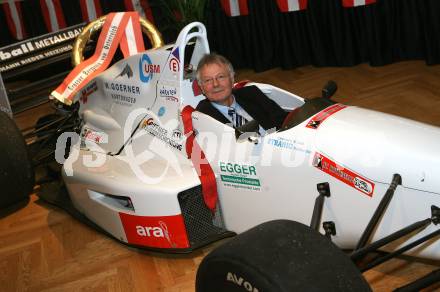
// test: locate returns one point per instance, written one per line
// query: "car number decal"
(343, 174)
(320, 117)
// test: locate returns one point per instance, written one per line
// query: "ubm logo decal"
(147, 69)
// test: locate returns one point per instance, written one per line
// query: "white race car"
(133, 171)
(130, 173)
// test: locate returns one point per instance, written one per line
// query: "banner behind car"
(39, 48)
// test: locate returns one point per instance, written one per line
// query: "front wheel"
(279, 256)
(16, 171)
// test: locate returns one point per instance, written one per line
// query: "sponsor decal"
(240, 281)
(320, 117)
(161, 133)
(343, 174)
(86, 91)
(38, 43)
(239, 176)
(177, 134)
(161, 111)
(147, 69)
(169, 93)
(284, 143)
(174, 65)
(155, 231)
(35, 57)
(118, 92)
(120, 87)
(93, 136)
(147, 122)
(126, 71)
(175, 53)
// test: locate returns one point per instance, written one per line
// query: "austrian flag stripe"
(53, 15)
(90, 9)
(14, 19)
(132, 42)
(354, 3)
(108, 42)
(235, 7)
(291, 5)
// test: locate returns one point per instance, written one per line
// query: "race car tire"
(279, 255)
(16, 171)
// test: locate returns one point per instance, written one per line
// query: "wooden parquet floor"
(44, 249)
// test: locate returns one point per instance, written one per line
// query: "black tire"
(16, 172)
(279, 255)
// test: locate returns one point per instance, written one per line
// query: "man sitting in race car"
(215, 76)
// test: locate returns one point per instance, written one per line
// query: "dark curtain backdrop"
(327, 34)
(34, 22)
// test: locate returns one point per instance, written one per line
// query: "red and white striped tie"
(235, 7)
(90, 9)
(354, 3)
(291, 5)
(53, 15)
(14, 19)
(142, 7)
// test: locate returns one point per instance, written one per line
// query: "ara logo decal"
(155, 231)
(240, 281)
(149, 231)
(320, 117)
(147, 69)
(343, 174)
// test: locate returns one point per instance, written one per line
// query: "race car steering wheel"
(93, 27)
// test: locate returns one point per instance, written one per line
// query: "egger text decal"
(239, 176)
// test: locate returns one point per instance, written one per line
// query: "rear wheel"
(279, 255)
(16, 171)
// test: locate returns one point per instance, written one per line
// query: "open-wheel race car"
(141, 168)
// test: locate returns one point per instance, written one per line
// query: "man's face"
(216, 83)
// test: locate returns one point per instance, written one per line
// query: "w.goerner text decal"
(155, 231)
(320, 117)
(343, 174)
(147, 69)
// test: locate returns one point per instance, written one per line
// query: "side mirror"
(248, 131)
(329, 89)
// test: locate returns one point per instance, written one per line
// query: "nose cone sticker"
(343, 174)
(320, 117)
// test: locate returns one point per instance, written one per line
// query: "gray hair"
(213, 58)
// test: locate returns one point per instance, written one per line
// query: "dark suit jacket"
(261, 108)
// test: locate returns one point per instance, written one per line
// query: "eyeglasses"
(219, 78)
